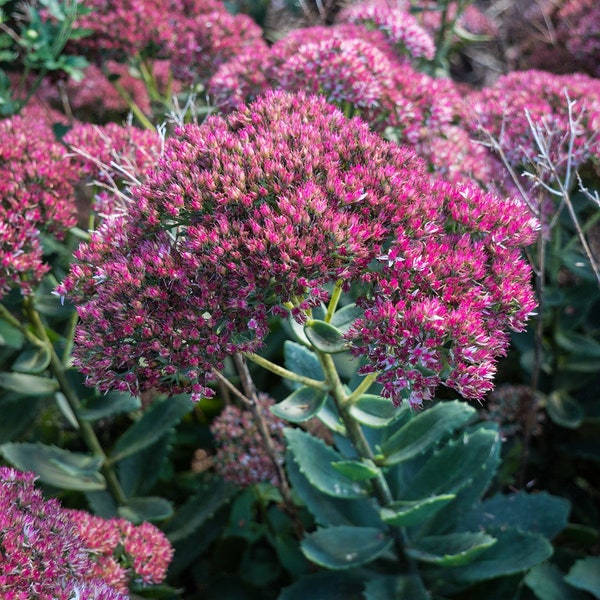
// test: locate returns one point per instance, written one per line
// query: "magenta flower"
(42, 555)
(241, 456)
(502, 109)
(122, 552)
(36, 195)
(401, 28)
(199, 45)
(112, 156)
(249, 214)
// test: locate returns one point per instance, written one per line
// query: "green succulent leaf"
(328, 510)
(564, 410)
(148, 508)
(315, 459)
(155, 422)
(301, 360)
(407, 513)
(539, 513)
(300, 406)
(327, 585)
(33, 360)
(452, 549)
(344, 317)
(325, 337)
(10, 335)
(376, 411)
(425, 431)
(111, 404)
(514, 552)
(585, 575)
(548, 583)
(387, 587)
(345, 547)
(28, 385)
(61, 468)
(356, 470)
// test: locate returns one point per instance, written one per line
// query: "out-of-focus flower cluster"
(51, 553)
(122, 552)
(263, 209)
(41, 554)
(36, 196)
(241, 456)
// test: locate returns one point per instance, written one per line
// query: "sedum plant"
(387, 284)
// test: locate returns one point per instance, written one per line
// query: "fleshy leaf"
(301, 360)
(355, 470)
(10, 336)
(345, 547)
(148, 508)
(33, 360)
(111, 404)
(376, 411)
(585, 575)
(156, 421)
(328, 510)
(344, 317)
(315, 459)
(548, 583)
(300, 406)
(327, 585)
(564, 410)
(406, 513)
(325, 337)
(28, 385)
(425, 430)
(450, 550)
(387, 587)
(55, 466)
(515, 551)
(538, 513)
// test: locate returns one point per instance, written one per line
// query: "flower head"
(36, 196)
(241, 456)
(248, 214)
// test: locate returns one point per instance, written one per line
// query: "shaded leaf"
(393, 588)
(564, 410)
(148, 508)
(344, 547)
(425, 430)
(110, 404)
(548, 583)
(315, 460)
(450, 550)
(55, 466)
(539, 513)
(406, 513)
(28, 385)
(376, 411)
(325, 586)
(10, 336)
(301, 360)
(153, 424)
(325, 337)
(356, 470)
(33, 360)
(515, 552)
(343, 318)
(301, 405)
(585, 575)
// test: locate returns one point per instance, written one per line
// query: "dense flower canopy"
(250, 214)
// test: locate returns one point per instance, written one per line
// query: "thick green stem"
(87, 431)
(355, 433)
(285, 373)
(364, 385)
(135, 109)
(333, 301)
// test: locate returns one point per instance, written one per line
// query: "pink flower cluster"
(267, 207)
(402, 29)
(450, 285)
(196, 36)
(122, 552)
(42, 555)
(113, 156)
(352, 67)
(240, 451)
(501, 110)
(36, 196)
